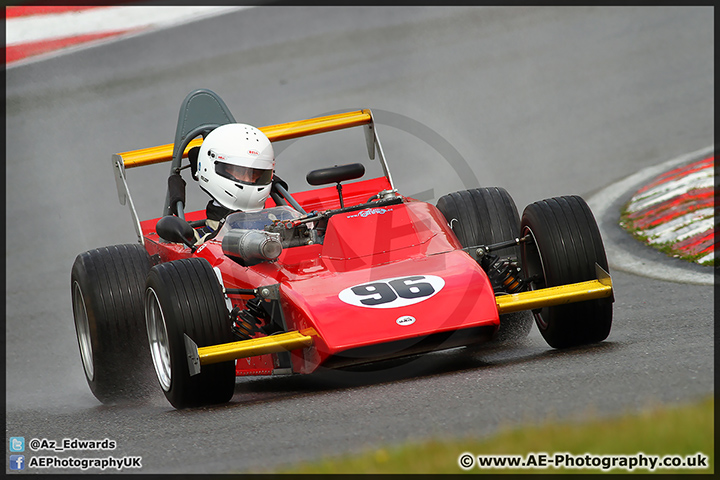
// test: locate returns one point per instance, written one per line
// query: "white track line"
(69, 24)
(682, 227)
(34, 28)
(665, 191)
(627, 262)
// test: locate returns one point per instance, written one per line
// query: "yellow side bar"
(285, 131)
(255, 346)
(548, 297)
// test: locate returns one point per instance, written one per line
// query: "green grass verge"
(680, 430)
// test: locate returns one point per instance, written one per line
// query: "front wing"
(293, 340)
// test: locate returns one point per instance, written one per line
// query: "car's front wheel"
(183, 298)
(565, 245)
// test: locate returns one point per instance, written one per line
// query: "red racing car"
(331, 277)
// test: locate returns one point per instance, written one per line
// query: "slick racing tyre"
(564, 248)
(483, 216)
(107, 286)
(182, 298)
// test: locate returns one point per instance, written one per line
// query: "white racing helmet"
(235, 166)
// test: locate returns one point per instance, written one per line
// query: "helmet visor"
(245, 175)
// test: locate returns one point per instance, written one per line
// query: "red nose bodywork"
(385, 282)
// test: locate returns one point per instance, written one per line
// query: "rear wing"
(276, 133)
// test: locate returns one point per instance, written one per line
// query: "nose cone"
(401, 301)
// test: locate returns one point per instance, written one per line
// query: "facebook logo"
(17, 444)
(17, 462)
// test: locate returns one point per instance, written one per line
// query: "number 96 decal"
(393, 292)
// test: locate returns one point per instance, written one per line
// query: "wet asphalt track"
(542, 102)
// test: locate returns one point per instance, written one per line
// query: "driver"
(235, 167)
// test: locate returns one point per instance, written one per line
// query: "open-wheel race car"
(331, 277)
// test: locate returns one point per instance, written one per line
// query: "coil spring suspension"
(504, 274)
(246, 322)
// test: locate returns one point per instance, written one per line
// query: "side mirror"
(336, 174)
(176, 230)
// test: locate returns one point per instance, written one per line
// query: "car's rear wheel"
(107, 287)
(564, 248)
(183, 297)
(483, 216)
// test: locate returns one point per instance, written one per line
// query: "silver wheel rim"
(82, 328)
(158, 337)
(533, 264)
